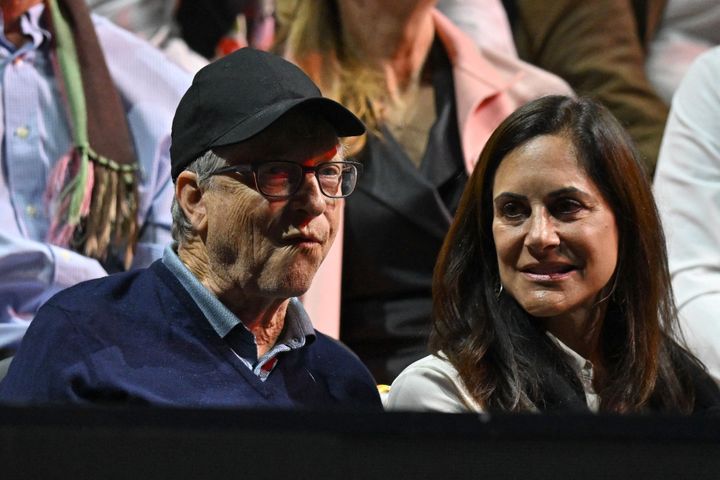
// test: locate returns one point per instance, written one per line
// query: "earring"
(498, 290)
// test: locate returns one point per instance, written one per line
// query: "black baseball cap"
(240, 95)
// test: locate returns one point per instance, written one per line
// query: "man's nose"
(542, 233)
(309, 198)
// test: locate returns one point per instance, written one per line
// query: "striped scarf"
(92, 191)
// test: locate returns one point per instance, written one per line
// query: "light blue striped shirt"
(36, 133)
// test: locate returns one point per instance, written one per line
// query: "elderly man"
(259, 181)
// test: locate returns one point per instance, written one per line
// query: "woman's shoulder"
(431, 384)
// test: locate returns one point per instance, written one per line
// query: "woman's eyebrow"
(509, 196)
(567, 190)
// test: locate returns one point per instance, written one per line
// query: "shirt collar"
(30, 26)
(577, 361)
(220, 317)
(298, 327)
(584, 370)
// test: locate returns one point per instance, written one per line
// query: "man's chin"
(297, 280)
(289, 276)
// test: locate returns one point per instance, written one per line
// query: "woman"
(431, 99)
(552, 290)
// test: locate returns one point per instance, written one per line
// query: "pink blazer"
(488, 87)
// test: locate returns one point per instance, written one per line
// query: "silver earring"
(498, 290)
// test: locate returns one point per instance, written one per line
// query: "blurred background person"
(687, 189)
(687, 29)
(431, 99)
(192, 33)
(150, 19)
(552, 291)
(153, 21)
(214, 28)
(85, 183)
(477, 18)
(600, 49)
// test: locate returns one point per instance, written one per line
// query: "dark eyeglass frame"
(255, 166)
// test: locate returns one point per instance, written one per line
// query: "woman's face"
(555, 235)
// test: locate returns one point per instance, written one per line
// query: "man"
(259, 176)
(86, 109)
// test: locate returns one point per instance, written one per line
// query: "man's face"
(268, 247)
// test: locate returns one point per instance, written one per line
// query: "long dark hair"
(503, 358)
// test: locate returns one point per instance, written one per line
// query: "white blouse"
(433, 384)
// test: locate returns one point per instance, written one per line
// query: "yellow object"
(383, 388)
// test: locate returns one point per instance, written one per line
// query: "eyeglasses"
(283, 179)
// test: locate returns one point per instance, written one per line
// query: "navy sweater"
(139, 338)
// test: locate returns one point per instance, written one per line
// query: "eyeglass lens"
(281, 179)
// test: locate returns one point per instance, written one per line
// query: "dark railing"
(135, 443)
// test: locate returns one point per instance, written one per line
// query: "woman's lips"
(548, 271)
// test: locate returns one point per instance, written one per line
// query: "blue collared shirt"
(36, 133)
(297, 330)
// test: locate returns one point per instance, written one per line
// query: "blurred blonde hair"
(310, 33)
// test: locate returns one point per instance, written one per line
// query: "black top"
(395, 223)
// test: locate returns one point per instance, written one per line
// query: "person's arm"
(687, 189)
(156, 221)
(595, 47)
(30, 273)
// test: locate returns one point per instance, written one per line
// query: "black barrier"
(134, 443)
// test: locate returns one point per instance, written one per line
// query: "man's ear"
(190, 198)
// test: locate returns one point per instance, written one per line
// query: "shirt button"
(31, 210)
(22, 132)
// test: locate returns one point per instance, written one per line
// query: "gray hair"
(203, 166)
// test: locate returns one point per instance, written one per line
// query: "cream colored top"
(433, 384)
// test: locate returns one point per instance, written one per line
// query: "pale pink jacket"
(488, 87)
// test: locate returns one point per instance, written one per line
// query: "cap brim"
(345, 123)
